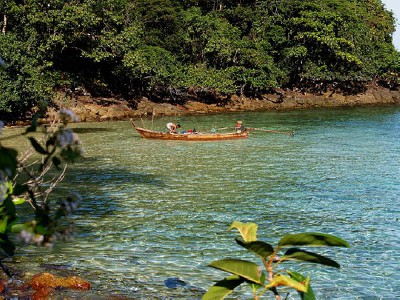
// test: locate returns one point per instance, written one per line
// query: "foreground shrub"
(269, 280)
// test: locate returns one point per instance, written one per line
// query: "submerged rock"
(174, 282)
(45, 283)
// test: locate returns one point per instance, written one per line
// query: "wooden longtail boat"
(197, 136)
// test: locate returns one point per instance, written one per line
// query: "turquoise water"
(154, 210)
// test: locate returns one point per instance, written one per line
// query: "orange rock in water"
(44, 283)
(75, 282)
(42, 293)
(49, 280)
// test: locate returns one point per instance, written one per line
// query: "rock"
(2, 286)
(49, 280)
(45, 283)
(174, 282)
(89, 109)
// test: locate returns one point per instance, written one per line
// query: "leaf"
(282, 280)
(245, 269)
(3, 224)
(309, 295)
(56, 161)
(7, 246)
(34, 124)
(18, 201)
(256, 286)
(10, 207)
(17, 228)
(247, 230)
(8, 161)
(223, 288)
(10, 187)
(258, 247)
(70, 154)
(40, 229)
(37, 146)
(298, 254)
(50, 142)
(20, 189)
(312, 239)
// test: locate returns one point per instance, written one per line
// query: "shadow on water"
(109, 175)
(86, 171)
(104, 193)
(81, 130)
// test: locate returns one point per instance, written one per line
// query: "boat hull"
(198, 136)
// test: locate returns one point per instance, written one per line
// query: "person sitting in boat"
(191, 131)
(172, 127)
(239, 127)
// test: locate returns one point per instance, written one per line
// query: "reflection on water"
(154, 211)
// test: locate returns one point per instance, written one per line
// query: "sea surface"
(155, 213)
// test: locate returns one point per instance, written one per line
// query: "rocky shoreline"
(90, 109)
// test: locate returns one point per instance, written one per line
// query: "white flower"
(3, 191)
(26, 236)
(68, 114)
(67, 137)
(29, 237)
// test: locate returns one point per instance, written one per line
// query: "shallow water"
(154, 210)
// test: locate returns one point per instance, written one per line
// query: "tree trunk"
(4, 24)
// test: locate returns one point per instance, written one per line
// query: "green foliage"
(261, 281)
(136, 47)
(22, 185)
(153, 64)
(223, 287)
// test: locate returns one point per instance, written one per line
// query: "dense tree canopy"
(171, 49)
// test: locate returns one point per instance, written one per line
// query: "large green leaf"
(248, 270)
(312, 239)
(258, 247)
(17, 228)
(309, 295)
(222, 288)
(247, 230)
(282, 280)
(37, 146)
(298, 254)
